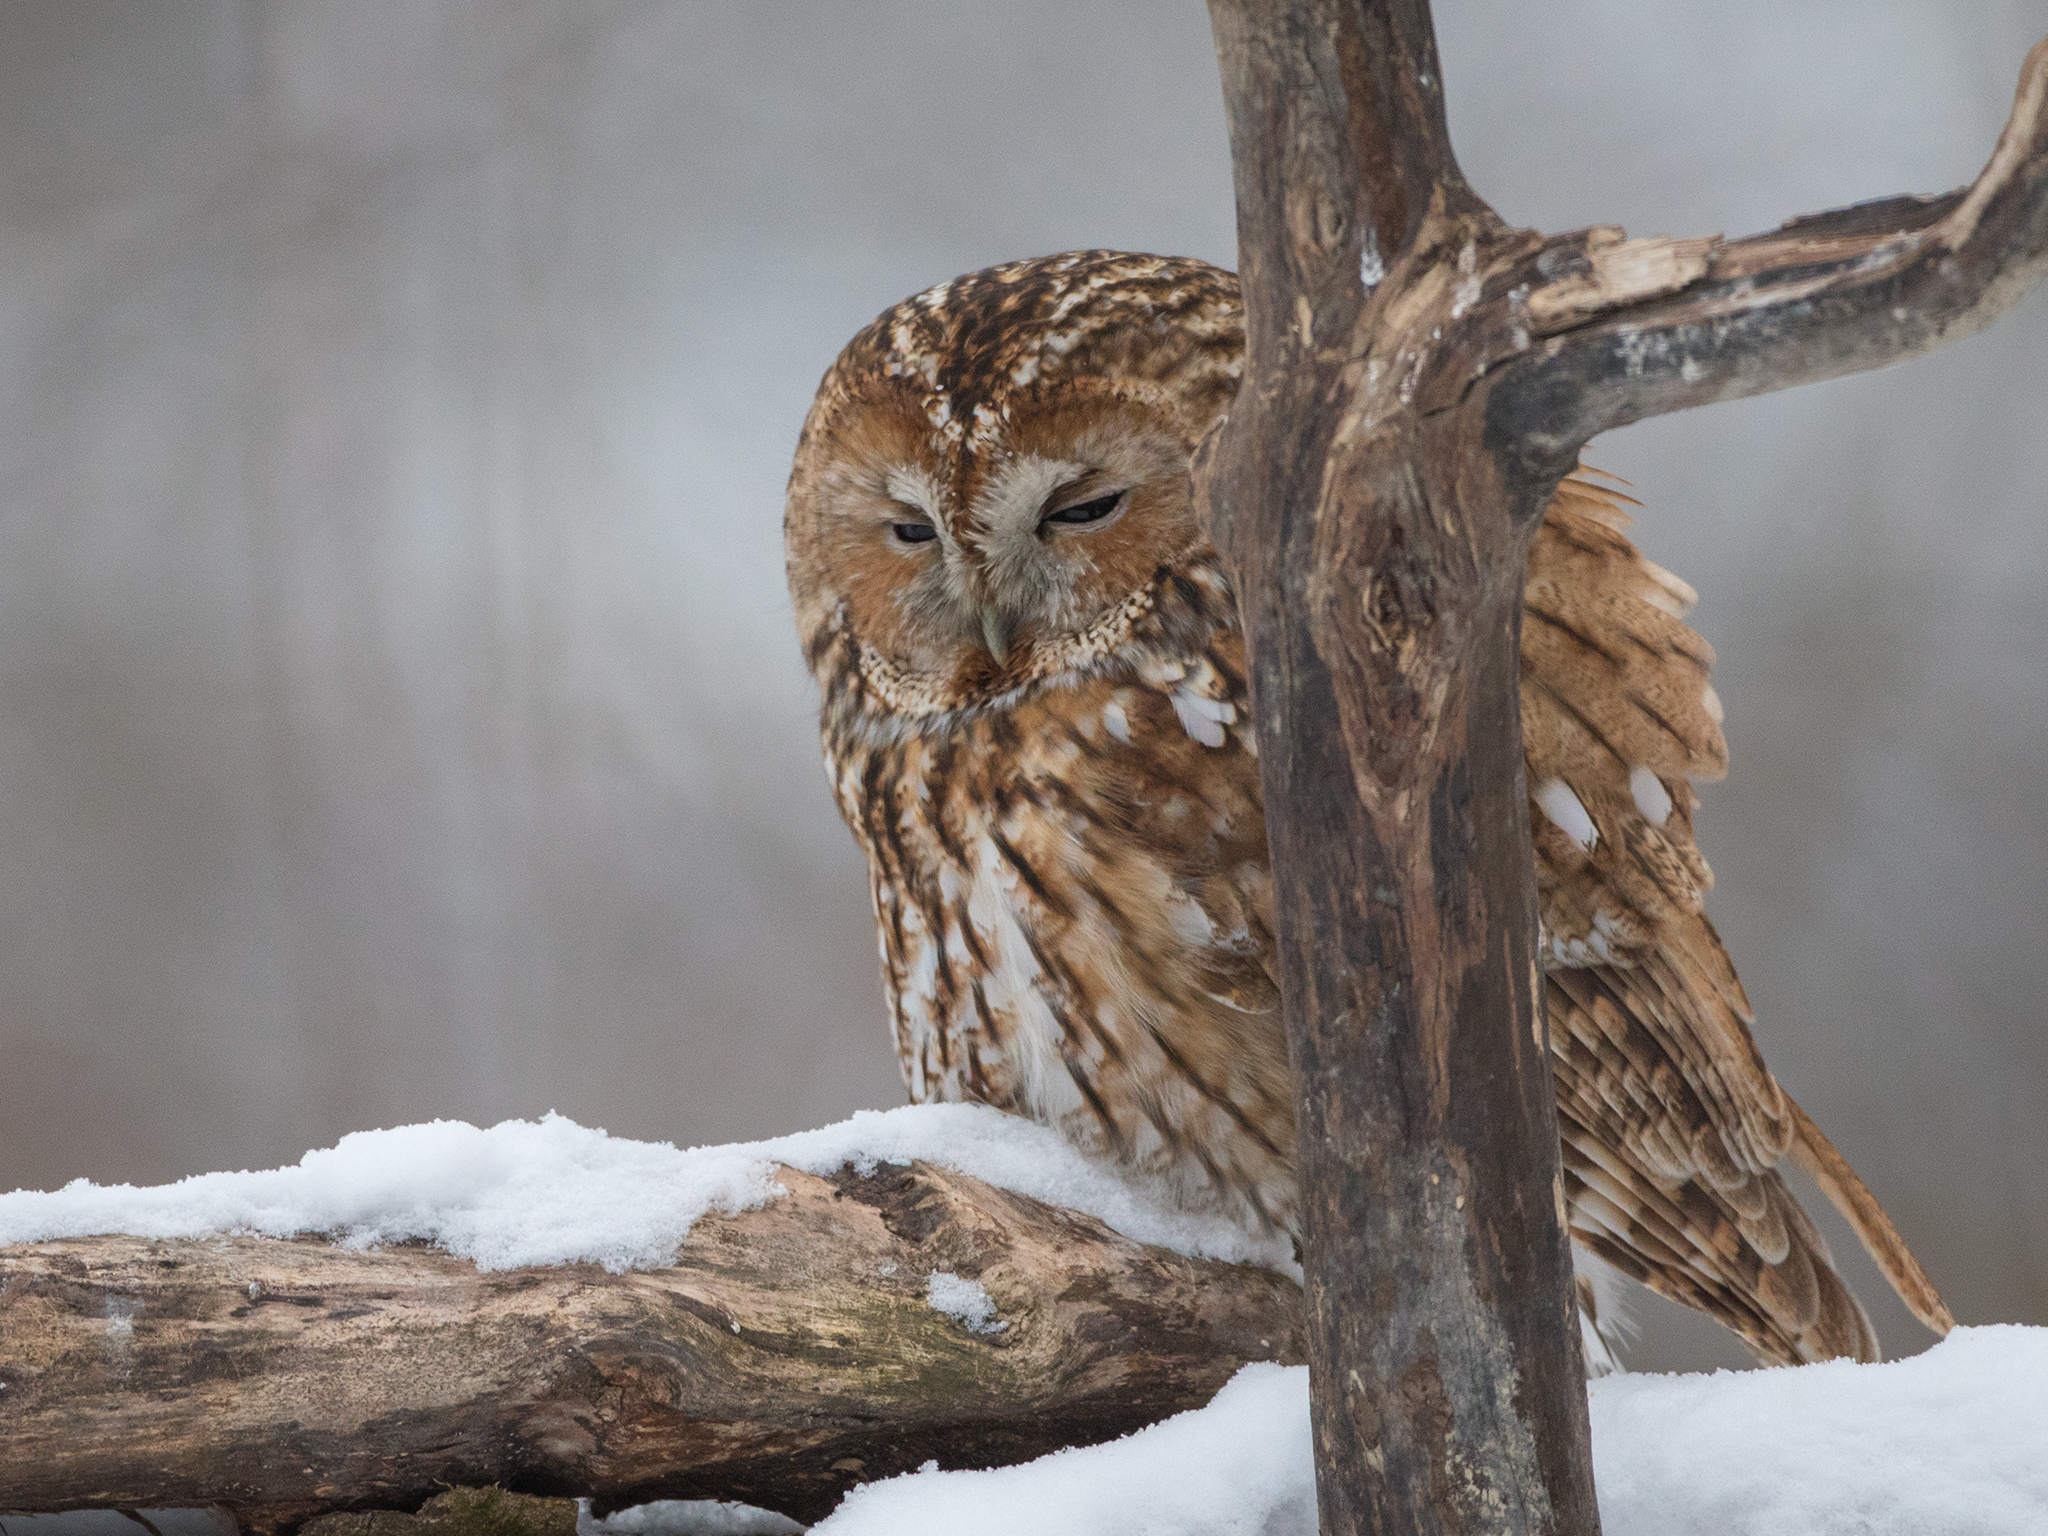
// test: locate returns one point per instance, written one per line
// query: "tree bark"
(1418, 377)
(789, 1354)
(1614, 330)
(1379, 559)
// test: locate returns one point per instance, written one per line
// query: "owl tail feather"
(1813, 1152)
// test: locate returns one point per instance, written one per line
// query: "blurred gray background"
(399, 715)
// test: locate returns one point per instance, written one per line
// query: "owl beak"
(997, 631)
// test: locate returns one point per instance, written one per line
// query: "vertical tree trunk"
(1417, 379)
(1380, 563)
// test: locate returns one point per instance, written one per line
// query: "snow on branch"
(603, 1318)
(819, 1324)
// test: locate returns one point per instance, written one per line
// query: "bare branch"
(1622, 330)
(788, 1355)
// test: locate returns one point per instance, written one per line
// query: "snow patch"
(522, 1192)
(551, 1191)
(1953, 1442)
(1242, 1464)
(962, 1298)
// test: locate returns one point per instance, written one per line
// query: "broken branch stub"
(789, 1354)
(1610, 332)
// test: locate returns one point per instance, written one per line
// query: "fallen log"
(789, 1353)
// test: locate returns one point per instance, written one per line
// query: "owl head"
(993, 477)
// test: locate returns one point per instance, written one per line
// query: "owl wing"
(1672, 1126)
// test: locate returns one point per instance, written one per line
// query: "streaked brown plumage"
(1035, 720)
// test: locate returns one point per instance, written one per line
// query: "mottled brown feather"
(1063, 828)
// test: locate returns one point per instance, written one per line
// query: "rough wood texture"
(458, 1512)
(1628, 329)
(788, 1355)
(1380, 559)
(1418, 378)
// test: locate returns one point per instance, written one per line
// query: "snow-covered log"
(857, 1326)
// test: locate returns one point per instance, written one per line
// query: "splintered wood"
(1620, 271)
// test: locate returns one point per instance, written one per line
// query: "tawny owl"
(1036, 723)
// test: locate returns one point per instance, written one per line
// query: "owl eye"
(913, 533)
(1085, 512)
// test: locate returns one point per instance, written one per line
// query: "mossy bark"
(458, 1512)
(789, 1354)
